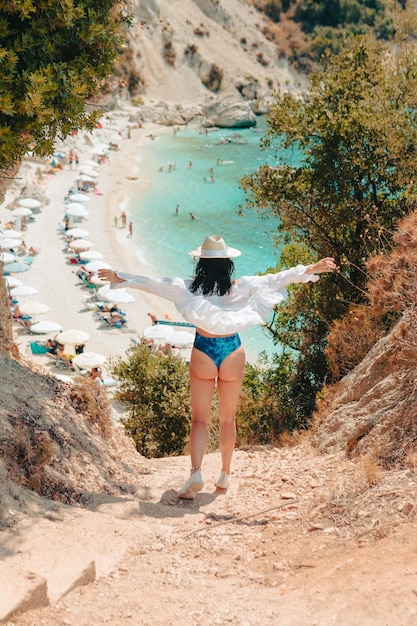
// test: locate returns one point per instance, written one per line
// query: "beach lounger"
(79, 370)
(64, 363)
(88, 284)
(25, 323)
(120, 323)
(170, 323)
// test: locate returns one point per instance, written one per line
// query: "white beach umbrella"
(12, 281)
(182, 338)
(81, 244)
(15, 267)
(23, 290)
(91, 163)
(45, 327)
(76, 209)
(73, 337)
(7, 257)
(91, 172)
(101, 148)
(77, 232)
(79, 197)
(10, 233)
(34, 308)
(94, 266)
(119, 296)
(164, 333)
(85, 178)
(75, 205)
(29, 203)
(22, 211)
(90, 255)
(9, 244)
(89, 359)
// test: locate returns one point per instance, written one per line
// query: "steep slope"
(183, 50)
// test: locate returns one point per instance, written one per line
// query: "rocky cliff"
(186, 50)
(372, 410)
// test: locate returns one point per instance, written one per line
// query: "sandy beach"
(52, 274)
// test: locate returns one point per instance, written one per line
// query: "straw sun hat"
(214, 247)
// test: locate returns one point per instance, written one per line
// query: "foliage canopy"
(53, 57)
(155, 389)
(344, 174)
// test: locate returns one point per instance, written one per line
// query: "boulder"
(229, 112)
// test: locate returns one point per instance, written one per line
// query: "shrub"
(191, 49)
(169, 53)
(155, 390)
(273, 9)
(262, 415)
(261, 59)
(213, 79)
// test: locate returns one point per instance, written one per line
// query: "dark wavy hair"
(213, 277)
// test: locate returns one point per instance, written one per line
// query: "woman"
(219, 308)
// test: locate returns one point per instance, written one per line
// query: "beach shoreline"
(51, 273)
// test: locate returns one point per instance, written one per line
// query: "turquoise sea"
(193, 170)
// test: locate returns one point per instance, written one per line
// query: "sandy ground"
(299, 539)
(51, 273)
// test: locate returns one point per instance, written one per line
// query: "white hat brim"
(228, 253)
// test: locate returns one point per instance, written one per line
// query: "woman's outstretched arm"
(172, 289)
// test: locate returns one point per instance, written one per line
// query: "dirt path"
(315, 545)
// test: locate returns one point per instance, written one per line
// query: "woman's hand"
(324, 265)
(109, 276)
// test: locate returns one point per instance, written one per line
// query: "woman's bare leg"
(229, 386)
(203, 374)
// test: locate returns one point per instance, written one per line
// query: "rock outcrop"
(373, 409)
(229, 112)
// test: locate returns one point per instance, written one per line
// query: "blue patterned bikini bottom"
(217, 348)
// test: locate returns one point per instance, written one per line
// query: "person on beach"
(154, 319)
(97, 374)
(219, 308)
(130, 229)
(123, 218)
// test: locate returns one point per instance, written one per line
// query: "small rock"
(288, 495)
(406, 508)
(313, 527)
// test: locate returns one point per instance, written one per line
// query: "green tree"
(54, 56)
(155, 389)
(352, 175)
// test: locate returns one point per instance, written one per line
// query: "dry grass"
(27, 452)
(392, 286)
(351, 338)
(91, 399)
(369, 471)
